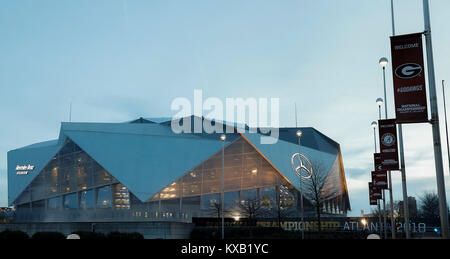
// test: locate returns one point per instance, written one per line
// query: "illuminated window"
(87, 199)
(121, 197)
(104, 197)
(210, 201)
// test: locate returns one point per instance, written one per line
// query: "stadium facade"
(141, 171)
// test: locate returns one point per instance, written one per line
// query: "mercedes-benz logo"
(304, 166)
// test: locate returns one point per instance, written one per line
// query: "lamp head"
(380, 101)
(374, 124)
(383, 62)
(223, 137)
(299, 134)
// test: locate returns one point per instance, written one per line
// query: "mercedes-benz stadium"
(141, 171)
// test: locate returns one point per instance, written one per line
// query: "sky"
(118, 60)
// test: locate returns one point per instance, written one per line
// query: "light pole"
(374, 126)
(223, 137)
(446, 124)
(299, 134)
(383, 63)
(402, 154)
(435, 123)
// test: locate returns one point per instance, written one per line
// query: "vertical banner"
(377, 162)
(374, 194)
(388, 144)
(379, 179)
(409, 78)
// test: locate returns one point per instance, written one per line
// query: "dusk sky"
(118, 60)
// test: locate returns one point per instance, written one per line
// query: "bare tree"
(313, 188)
(251, 208)
(429, 205)
(282, 206)
(377, 212)
(215, 209)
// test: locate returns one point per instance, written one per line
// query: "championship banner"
(374, 194)
(388, 144)
(372, 200)
(379, 179)
(409, 78)
(377, 162)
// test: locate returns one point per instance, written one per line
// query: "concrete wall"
(150, 230)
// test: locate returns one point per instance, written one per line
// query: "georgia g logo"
(408, 71)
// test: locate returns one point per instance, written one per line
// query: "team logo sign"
(409, 79)
(388, 144)
(408, 71)
(388, 139)
(303, 168)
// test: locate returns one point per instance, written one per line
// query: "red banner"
(374, 194)
(380, 179)
(409, 78)
(377, 162)
(388, 144)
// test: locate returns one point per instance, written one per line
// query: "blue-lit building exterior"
(142, 171)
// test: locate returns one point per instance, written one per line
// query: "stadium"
(142, 172)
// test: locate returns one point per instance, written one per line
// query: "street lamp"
(380, 102)
(383, 63)
(374, 126)
(299, 135)
(223, 137)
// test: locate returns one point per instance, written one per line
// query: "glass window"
(268, 197)
(192, 189)
(231, 199)
(287, 197)
(121, 197)
(210, 201)
(70, 201)
(104, 197)
(249, 195)
(171, 205)
(153, 208)
(82, 177)
(191, 203)
(53, 180)
(40, 205)
(87, 199)
(54, 203)
(171, 191)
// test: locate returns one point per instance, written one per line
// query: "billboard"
(409, 78)
(388, 144)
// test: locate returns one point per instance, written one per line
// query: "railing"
(98, 216)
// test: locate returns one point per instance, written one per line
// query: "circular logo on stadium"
(388, 139)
